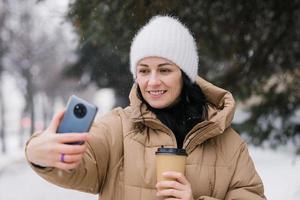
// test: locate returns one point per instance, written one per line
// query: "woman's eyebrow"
(144, 65)
(163, 64)
(159, 65)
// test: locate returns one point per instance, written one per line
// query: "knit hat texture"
(165, 37)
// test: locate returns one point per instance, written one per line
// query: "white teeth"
(156, 92)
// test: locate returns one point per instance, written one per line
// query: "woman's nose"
(154, 79)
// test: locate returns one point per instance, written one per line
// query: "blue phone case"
(78, 117)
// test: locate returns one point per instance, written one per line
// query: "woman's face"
(160, 81)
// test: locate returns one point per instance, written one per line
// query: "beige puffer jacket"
(120, 162)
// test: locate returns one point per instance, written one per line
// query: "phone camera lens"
(80, 110)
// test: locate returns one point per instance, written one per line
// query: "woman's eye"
(165, 70)
(143, 71)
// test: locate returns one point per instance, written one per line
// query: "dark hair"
(190, 110)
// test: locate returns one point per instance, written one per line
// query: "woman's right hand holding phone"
(50, 149)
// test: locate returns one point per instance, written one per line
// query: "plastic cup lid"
(176, 151)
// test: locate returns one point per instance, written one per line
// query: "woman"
(169, 106)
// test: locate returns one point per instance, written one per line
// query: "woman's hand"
(50, 149)
(180, 188)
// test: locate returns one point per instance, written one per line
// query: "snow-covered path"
(19, 182)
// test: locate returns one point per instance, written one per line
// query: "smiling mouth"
(157, 92)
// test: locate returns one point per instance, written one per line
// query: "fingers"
(170, 193)
(68, 161)
(55, 121)
(185, 193)
(71, 149)
(72, 137)
(177, 188)
(162, 185)
(172, 175)
(69, 156)
(46, 149)
(72, 158)
(66, 166)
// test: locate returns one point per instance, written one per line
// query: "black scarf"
(180, 118)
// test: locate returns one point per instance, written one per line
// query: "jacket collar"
(220, 114)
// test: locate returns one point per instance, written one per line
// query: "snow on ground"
(279, 170)
(19, 182)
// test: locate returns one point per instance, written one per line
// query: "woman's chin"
(157, 105)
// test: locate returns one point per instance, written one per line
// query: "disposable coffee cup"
(169, 159)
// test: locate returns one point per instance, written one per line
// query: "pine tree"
(250, 48)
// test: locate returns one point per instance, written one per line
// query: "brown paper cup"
(169, 159)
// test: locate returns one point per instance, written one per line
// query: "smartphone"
(78, 117)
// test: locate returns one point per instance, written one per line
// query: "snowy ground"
(19, 182)
(280, 172)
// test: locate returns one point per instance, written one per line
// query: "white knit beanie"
(165, 37)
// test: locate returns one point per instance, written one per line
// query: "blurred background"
(52, 49)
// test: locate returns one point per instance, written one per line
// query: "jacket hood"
(221, 107)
